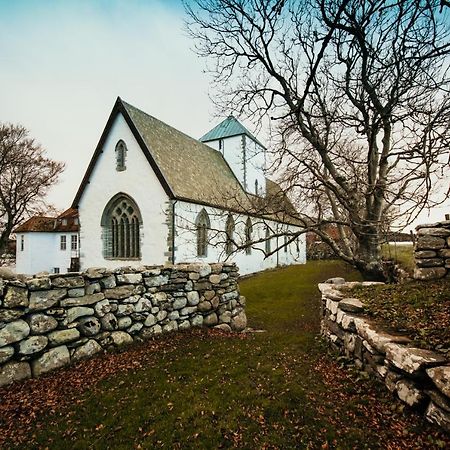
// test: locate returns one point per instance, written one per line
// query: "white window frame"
(63, 242)
(74, 242)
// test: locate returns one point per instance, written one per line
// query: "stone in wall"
(50, 321)
(432, 251)
(420, 378)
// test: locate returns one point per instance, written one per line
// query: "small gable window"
(121, 154)
(202, 224)
(229, 230)
(248, 236)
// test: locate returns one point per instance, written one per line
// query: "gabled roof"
(192, 170)
(228, 128)
(67, 222)
(187, 169)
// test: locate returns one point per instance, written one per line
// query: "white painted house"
(152, 195)
(49, 244)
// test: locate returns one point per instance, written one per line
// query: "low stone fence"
(432, 251)
(50, 321)
(420, 378)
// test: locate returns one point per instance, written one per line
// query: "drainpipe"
(173, 231)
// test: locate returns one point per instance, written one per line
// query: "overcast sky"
(63, 64)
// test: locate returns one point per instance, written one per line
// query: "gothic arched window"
(248, 236)
(121, 153)
(121, 223)
(229, 230)
(267, 240)
(202, 223)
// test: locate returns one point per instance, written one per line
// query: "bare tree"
(25, 178)
(357, 93)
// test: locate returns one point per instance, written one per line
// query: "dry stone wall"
(432, 251)
(50, 321)
(420, 378)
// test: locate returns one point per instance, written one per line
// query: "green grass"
(273, 389)
(420, 309)
(402, 254)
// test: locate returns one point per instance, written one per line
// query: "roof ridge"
(166, 124)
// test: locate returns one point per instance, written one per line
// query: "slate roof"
(228, 128)
(193, 171)
(188, 169)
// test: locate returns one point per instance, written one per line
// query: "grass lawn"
(205, 389)
(420, 309)
(403, 254)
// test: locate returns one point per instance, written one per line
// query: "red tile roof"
(65, 222)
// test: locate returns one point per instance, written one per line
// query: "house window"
(22, 242)
(121, 222)
(267, 240)
(221, 145)
(229, 230)
(55, 269)
(74, 242)
(248, 236)
(202, 224)
(121, 153)
(256, 187)
(285, 244)
(63, 242)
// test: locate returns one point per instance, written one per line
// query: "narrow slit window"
(268, 246)
(202, 224)
(229, 231)
(248, 236)
(121, 154)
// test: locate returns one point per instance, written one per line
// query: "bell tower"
(242, 151)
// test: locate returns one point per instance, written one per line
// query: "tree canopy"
(26, 175)
(357, 96)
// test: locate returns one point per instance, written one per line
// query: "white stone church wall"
(186, 242)
(140, 183)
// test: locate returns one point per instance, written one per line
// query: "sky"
(64, 62)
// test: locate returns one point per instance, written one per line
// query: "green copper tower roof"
(228, 128)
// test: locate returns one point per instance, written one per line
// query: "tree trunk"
(4, 238)
(368, 258)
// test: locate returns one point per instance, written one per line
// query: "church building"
(153, 195)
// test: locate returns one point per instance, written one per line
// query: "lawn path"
(203, 389)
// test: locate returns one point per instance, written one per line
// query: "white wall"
(140, 183)
(186, 242)
(234, 148)
(42, 253)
